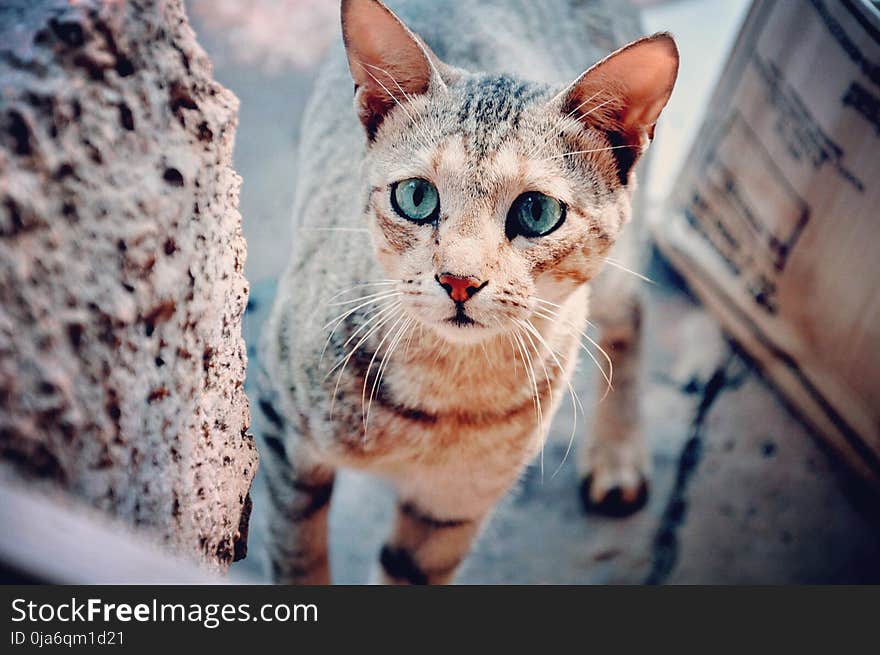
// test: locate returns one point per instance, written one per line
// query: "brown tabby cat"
(430, 319)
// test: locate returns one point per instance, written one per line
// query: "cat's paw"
(614, 478)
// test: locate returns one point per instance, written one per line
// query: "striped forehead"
(481, 134)
(509, 168)
(490, 109)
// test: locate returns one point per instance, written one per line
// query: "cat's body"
(386, 383)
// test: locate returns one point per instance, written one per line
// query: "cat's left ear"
(624, 94)
(389, 64)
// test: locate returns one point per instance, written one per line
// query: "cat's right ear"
(388, 63)
(624, 94)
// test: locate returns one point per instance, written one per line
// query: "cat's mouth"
(461, 319)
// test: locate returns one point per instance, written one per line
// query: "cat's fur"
(452, 422)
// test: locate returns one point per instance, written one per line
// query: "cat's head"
(486, 194)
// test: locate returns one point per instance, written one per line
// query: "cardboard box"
(775, 219)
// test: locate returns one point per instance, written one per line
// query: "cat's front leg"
(299, 490)
(614, 462)
(426, 547)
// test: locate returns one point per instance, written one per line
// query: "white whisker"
(429, 142)
(533, 379)
(553, 304)
(346, 314)
(383, 366)
(313, 314)
(410, 338)
(546, 378)
(575, 401)
(607, 376)
(361, 286)
(584, 152)
(542, 141)
(386, 308)
(372, 311)
(378, 294)
(564, 90)
(537, 354)
(387, 315)
(485, 354)
(552, 315)
(617, 264)
(335, 229)
(597, 107)
(382, 341)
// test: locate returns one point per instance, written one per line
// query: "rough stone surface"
(121, 258)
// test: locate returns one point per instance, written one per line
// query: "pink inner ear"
(385, 58)
(635, 83)
(648, 75)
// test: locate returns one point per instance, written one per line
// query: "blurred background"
(743, 490)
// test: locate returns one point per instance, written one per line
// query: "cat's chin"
(462, 333)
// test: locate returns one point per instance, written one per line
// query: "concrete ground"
(742, 492)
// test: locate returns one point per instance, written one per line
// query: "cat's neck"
(500, 371)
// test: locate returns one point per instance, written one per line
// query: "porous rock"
(121, 270)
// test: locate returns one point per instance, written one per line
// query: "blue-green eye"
(416, 200)
(533, 215)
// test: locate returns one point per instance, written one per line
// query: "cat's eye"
(533, 215)
(416, 200)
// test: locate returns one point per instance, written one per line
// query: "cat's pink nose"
(459, 287)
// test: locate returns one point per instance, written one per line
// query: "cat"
(450, 218)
